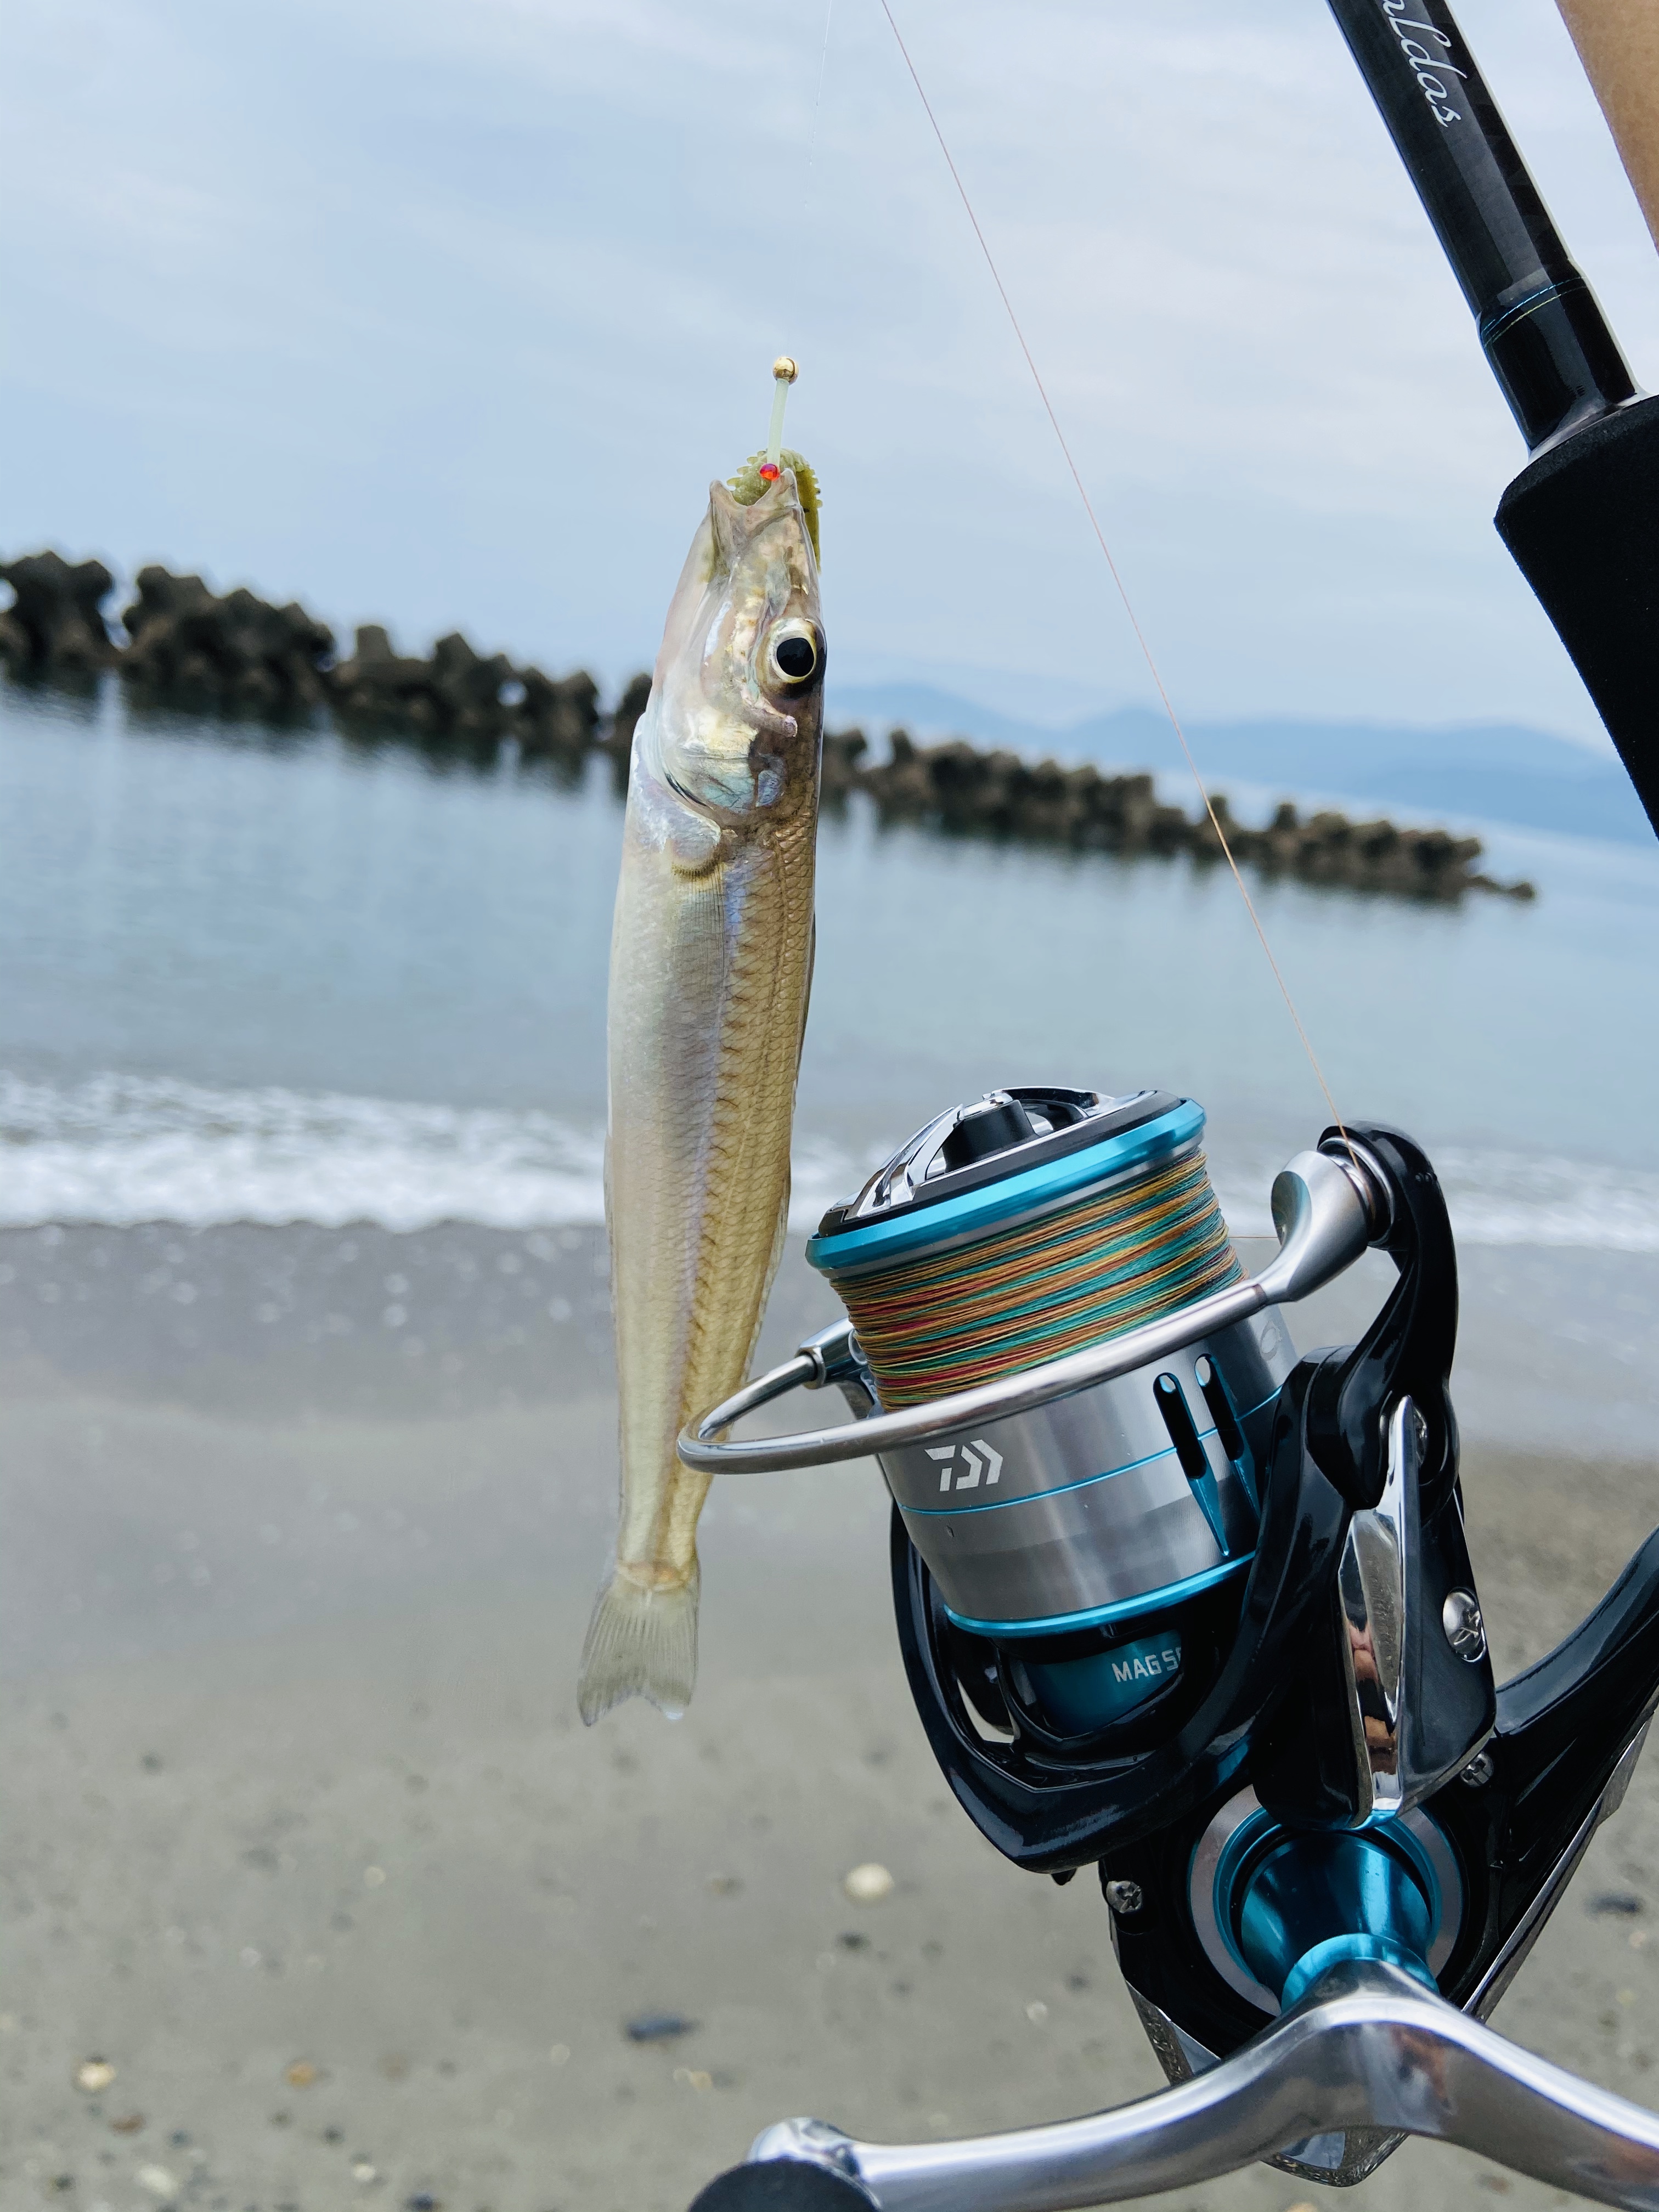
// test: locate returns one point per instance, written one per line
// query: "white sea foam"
(117, 1150)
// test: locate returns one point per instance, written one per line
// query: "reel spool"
(1098, 1542)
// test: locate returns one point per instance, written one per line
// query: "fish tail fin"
(641, 1643)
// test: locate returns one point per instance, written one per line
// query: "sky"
(444, 316)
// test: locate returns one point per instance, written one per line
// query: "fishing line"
(1032, 1291)
(818, 102)
(1100, 538)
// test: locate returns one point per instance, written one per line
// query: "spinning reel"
(1181, 1607)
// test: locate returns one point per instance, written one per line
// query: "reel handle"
(1367, 2048)
(1328, 1206)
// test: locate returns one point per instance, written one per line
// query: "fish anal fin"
(775, 1256)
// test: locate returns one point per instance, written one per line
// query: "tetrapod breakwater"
(179, 643)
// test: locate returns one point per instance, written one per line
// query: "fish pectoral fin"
(642, 1643)
(694, 845)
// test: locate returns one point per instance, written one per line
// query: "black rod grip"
(1582, 523)
(1556, 362)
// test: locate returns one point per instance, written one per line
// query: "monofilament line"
(818, 103)
(1100, 540)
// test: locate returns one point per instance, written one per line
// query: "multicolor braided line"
(1035, 1292)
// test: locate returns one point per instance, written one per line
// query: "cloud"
(444, 314)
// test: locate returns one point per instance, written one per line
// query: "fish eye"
(794, 654)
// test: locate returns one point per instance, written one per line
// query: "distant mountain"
(1498, 772)
(927, 712)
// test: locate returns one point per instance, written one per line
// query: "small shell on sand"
(93, 2073)
(159, 2182)
(868, 1884)
(300, 2074)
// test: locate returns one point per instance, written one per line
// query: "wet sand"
(304, 1838)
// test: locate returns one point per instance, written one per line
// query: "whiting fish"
(711, 961)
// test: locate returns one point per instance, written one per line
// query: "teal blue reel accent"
(1285, 1906)
(1091, 1693)
(1103, 1616)
(929, 1223)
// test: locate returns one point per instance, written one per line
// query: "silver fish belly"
(710, 969)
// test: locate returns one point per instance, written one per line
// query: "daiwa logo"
(979, 1458)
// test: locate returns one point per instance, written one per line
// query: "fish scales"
(711, 970)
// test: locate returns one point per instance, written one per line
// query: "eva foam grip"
(1618, 42)
(1582, 523)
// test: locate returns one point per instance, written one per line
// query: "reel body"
(1177, 1605)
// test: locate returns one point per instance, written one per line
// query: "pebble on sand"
(868, 1884)
(363, 2171)
(159, 2183)
(128, 2124)
(300, 2074)
(93, 2073)
(657, 2026)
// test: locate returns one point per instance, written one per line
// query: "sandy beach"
(305, 1842)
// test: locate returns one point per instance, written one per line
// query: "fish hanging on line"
(711, 963)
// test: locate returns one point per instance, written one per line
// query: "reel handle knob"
(781, 2184)
(1368, 2048)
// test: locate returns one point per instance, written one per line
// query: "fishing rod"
(1581, 518)
(1182, 1607)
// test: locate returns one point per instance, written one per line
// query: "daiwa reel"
(1178, 1605)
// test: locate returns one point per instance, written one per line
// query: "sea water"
(282, 976)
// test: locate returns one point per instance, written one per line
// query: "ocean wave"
(118, 1150)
